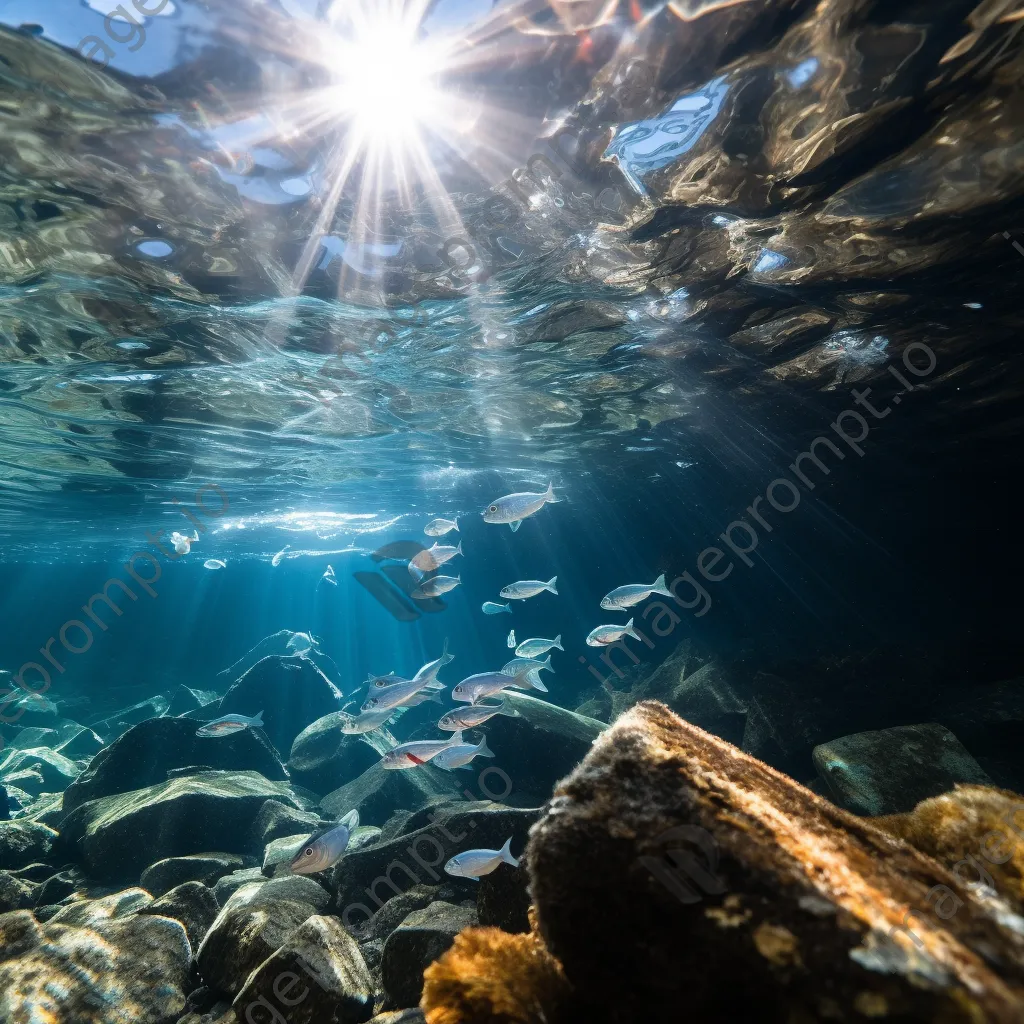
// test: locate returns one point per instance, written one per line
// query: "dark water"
(649, 259)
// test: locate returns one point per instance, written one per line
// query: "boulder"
(673, 870)
(184, 699)
(16, 893)
(413, 1016)
(414, 945)
(5, 806)
(117, 837)
(534, 750)
(145, 753)
(378, 792)
(323, 758)
(249, 928)
(87, 913)
(891, 770)
(114, 725)
(399, 907)
(34, 736)
(60, 886)
(171, 872)
(79, 743)
(28, 780)
(291, 692)
(317, 975)
(227, 886)
(23, 842)
(47, 808)
(503, 899)
(56, 771)
(365, 880)
(116, 970)
(277, 820)
(191, 903)
(36, 872)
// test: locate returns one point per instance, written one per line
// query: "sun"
(386, 78)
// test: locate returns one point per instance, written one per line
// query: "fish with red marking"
(229, 724)
(417, 752)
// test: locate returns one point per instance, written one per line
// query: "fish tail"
(533, 677)
(558, 642)
(445, 656)
(507, 709)
(458, 550)
(435, 697)
(455, 526)
(351, 820)
(549, 494)
(658, 587)
(483, 750)
(258, 720)
(631, 631)
(507, 607)
(506, 853)
(550, 585)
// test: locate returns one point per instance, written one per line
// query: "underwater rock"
(415, 944)
(491, 977)
(977, 830)
(115, 970)
(399, 907)
(122, 720)
(24, 842)
(227, 886)
(16, 893)
(739, 892)
(277, 820)
(399, 1017)
(539, 747)
(5, 807)
(249, 928)
(47, 808)
(117, 837)
(317, 975)
(56, 771)
(367, 879)
(170, 872)
(503, 899)
(80, 743)
(193, 904)
(89, 912)
(990, 723)
(59, 886)
(184, 699)
(396, 825)
(33, 736)
(377, 792)
(291, 693)
(145, 753)
(323, 757)
(891, 770)
(28, 781)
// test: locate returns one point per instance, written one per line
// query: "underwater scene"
(508, 511)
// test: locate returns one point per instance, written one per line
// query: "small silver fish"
(329, 577)
(416, 753)
(514, 508)
(528, 588)
(537, 646)
(633, 593)
(368, 721)
(492, 608)
(474, 863)
(384, 697)
(276, 560)
(435, 587)
(229, 724)
(428, 673)
(214, 563)
(475, 688)
(511, 641)
(325, 848)
(473, 715)
(609, 634)
(461, 754)
(527, 669)
(434, 557)
(439, 527)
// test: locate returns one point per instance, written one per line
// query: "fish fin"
(472, 878)
(631, 631)
(464, 768)
(506, 853)
(549, 494)
(546, 663)
(351, 820)
(558, 642)
(658, 587)
(455, 525)
(434, 698)
(550, 585)
(515, 525)
(483, 750)
(535, 682)
(445, 656)
(458, 550)
(258, 720)
(507, 709)
(508, 607)
(456, 738)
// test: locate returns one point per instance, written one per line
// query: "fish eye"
(309, 852)
(493, 508)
